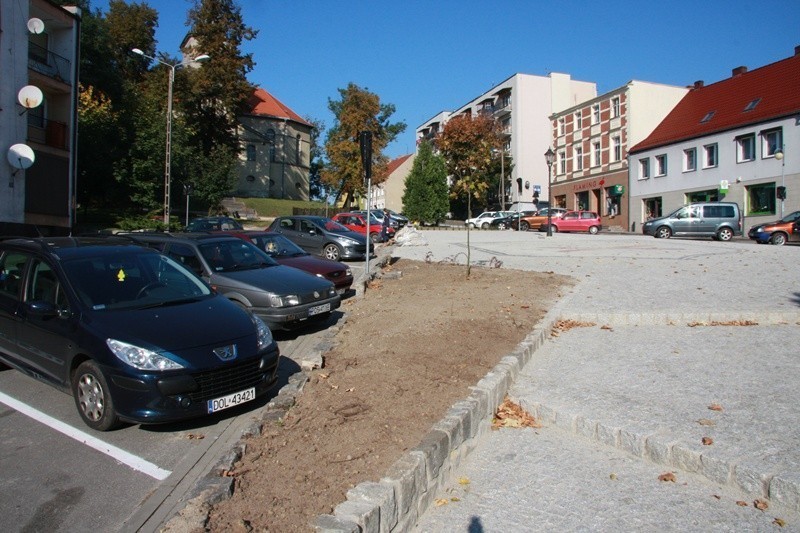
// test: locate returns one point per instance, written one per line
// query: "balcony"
(48, 132)
(48, 63)
(502, 108)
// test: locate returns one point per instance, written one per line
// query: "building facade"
(38, 116)
(523, 105)
(275, 150)
(591, 141)
(735, 140)
(389, 194)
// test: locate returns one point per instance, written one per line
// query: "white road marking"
(118, 454)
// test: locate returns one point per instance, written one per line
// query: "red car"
(358, 223)
(288, 253)
(588, 221)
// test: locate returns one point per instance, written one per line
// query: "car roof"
(68, 247)
(195, 237)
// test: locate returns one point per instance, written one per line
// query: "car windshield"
(133, 280)
(278, 246)
(791, 217)
(234, 255)
(332, 226)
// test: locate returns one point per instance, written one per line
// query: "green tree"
(426, 196)
(466, 143)
(317, 189)
(358, 110)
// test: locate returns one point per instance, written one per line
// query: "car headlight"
(140, 358)
(263, 332)
(284, 301)
(758, 229)
(331, 291)
(349, 272)
(350, 242)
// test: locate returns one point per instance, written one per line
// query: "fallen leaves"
(707, 441)
(566, 325)
(715, 407)
(706, 422)
(726, 323)
(760, 504)
(667, 476)
(511, 415)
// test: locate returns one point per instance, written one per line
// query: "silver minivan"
(718, 220)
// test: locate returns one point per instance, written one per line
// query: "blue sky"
(429, 56)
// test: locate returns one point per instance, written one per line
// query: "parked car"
(378, 215)
(587, 221)
(288, 253)
(133, 335)
(484, 220)
(506, 221)
(718, 220)
(282, 296)
(539, 219)
(778, 232)
(321, 236)
(400, 218)
(358, 222)
(214, 224)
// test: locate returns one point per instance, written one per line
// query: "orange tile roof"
(775, 87)
(394, 164)
(263, 103)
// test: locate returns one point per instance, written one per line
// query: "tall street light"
(549, 156)
(167, 163)
(779, 155)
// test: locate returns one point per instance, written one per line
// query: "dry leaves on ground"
(511, 415)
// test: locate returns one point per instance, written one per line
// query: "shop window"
(761, 199)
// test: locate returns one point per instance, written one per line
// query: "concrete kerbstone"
(785, 489)
(366, 515)
(333, 524)
(748, 477)
(406, 477)
(435, 447)
(379, 495)
(658, 449)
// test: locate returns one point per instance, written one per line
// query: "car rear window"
(718, 211)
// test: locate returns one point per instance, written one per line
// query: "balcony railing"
(48, 63)
(48, 132)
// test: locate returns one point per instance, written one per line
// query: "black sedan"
(507, 221)
(132, 334)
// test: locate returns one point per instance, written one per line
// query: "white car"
(484, 220)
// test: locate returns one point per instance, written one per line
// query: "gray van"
(718, 220)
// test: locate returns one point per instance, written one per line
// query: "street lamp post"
(549, 156)
(167, 159)
(779, 155)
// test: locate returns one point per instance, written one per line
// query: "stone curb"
(409, 487)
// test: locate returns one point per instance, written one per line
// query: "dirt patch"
(411, 347)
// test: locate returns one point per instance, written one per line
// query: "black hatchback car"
(130, 333)
(321, 236)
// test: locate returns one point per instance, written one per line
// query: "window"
(745, 148)
(752, 105)
(11, 267)
(616, 152)
(771, 142)
(690, 160)
(562, 126)
(562, 162)
(578, 120)
(596, 154)
(596, 114)
(707, 117)
(661, 165)
(644, 168)
(761, 199)
(612, 202)
(251, 152)
(615, 107)
(710, 151)
(578, 158)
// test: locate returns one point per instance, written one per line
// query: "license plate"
(231, 400)
(317, 309)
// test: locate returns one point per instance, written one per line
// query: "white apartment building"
(523, 105)
(736, 140)
(38, 116)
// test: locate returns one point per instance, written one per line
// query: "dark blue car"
(132, 334)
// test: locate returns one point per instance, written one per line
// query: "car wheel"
(554, 228)
(502, 225)
(93, 398)
(332, 252)
(375, 238)
(485, 225)
(471, 225)
(725, 234)
(593, 230)
(778, 239)
(524, 226)
(663, 233)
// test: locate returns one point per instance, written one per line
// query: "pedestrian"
(385, 226)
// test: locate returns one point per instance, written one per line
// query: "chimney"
(698, 84)
(738, 71)
(797, 50)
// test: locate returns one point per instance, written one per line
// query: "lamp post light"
(167, 162)
(549, 156)
(779, 155)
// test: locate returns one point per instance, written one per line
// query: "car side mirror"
(45, 310)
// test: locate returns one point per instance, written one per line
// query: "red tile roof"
(394, 164)
(263, 103)
(777, 85)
